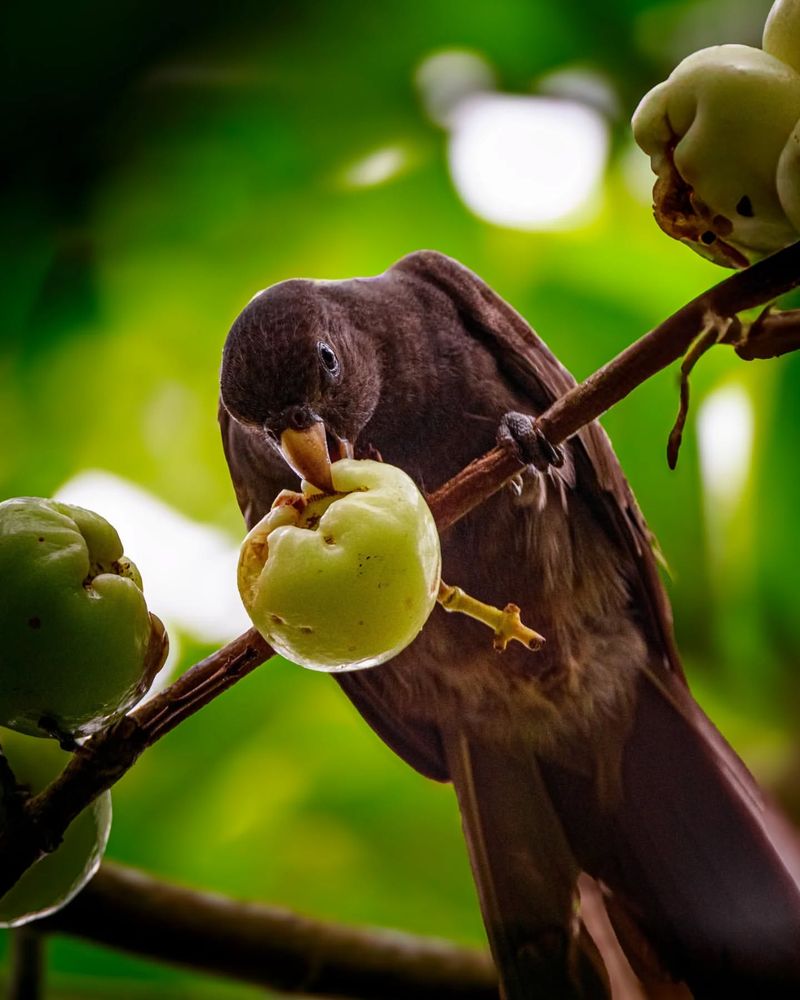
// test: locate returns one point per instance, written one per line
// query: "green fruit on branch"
(782, 32)
(715, 131)
(77, 644)
(343, 580)
(53, 881)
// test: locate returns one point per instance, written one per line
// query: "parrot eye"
(328, 358)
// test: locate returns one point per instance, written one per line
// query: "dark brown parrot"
(588, 756)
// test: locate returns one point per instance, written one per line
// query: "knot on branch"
(115, 749)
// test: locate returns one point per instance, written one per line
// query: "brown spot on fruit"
(35, 622)
(722, 225)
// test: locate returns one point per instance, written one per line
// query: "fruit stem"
(505, 624)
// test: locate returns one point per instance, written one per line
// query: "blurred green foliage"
(167, 164)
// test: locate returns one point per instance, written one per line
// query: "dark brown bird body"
(588, 755)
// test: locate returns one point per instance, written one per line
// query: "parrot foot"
(520, 434)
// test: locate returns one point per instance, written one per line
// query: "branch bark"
(268, 946)
(39, 825)
(755, 286)
(770, 336)
(26, 976)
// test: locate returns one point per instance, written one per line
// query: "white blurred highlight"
(586, 86)
(188, 568)
(377, 168)
(446, 78)
(527, 162)
(725, 428)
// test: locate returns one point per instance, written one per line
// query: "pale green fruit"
(52, 882)
(788, 178)
(77, 644)
(782, 32)
(343, 581)
(714, 131)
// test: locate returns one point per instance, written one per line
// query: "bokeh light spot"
(377, 168)
(725, 441)
(528, 162)
(446, 78)
(188, 568)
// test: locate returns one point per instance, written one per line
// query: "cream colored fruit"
(54, 880)
(788, 178)
(782, 32)
(714, 131)
(343, 581)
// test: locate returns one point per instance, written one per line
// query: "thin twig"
(26, 972)
(770, 336)
(712, 333)
(268, 946)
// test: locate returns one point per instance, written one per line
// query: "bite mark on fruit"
(684, 216)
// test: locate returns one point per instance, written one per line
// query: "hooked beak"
(306, 451)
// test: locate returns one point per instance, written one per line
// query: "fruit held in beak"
(343, 580)
(54, 880)
(78, 644)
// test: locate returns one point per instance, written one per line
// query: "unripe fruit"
(54, 880)
(715, 130)
(788, 177)
(77, 644)
(782, 32)
(347, 580)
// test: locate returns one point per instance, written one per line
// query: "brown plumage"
(589, 755)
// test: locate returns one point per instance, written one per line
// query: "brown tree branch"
(770, 336)
(755, 286)
(268, 946)
(26, 974)
(40, 824)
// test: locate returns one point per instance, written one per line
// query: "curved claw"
(521, 434)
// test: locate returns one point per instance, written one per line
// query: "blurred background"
(167, 162)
